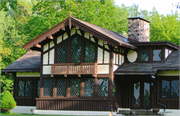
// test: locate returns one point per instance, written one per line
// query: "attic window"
(144, 55)
(157, 55)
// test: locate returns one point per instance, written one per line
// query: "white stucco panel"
(114, 57)
(59, 39)
(86, 35)
(115, 67)
(46, 69)
(45, 47)
(106, 46)
(51, 44)
(92, 39)
(73, 31)
(106, 57)
(100, 42)
(78, 32)
(100, 55)
(132, 55)
(166, 53)
(28, 74)
(102, 69)
(51, 61)
(65, 36)
(45, 58)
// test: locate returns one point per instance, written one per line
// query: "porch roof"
(171, 63)
(27, 63)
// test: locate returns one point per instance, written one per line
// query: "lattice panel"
(62, 53)
(61, 87)
(175, 89)
(102, 87)
(76, 50)
(165, 89)
(88, 87)
(21, 88)
(144, 55)
(48, 87)
(89, 52)
(74, 87)
(114, 89)
(28, 88)
(146, 94)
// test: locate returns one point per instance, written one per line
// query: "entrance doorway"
(141, 94)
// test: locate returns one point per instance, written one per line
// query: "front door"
(141, 95)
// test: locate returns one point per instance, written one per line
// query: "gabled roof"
(28, 62)
(172, 63)
(110, 37)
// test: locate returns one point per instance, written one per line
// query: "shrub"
(7, 101)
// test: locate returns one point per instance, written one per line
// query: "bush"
(7, 101)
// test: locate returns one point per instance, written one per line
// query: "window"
(88, 87)
(76, 50)
(24, 88)
(144, 55)
(61, 87)
(74, 87)
(62, 53)
(89, 52)
(157, 55)
(103, 87)
(170, 89)
(48, 87)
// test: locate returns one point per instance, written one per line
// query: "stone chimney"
(139, 29)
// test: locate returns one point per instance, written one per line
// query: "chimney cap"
(138, 18)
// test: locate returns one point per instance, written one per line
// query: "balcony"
(73, 69)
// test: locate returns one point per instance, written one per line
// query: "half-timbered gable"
(86, 67)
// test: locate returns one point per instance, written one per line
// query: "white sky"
(162, 6)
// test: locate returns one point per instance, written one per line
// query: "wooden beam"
(105, 42)
(77, 28)
(91, 35)
(50, 37)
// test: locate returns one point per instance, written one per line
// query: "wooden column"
(54, 87)
(95, 87)
(81, 87)
(111, 75)
(67, 87)
(41, 79)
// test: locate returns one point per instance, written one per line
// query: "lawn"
(17, 114)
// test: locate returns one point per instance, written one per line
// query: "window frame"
(167, 79)
(24, 88)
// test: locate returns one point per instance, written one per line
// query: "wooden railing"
(74, 68)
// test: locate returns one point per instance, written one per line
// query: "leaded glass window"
(103, 87)
(88, 87)
(76, 50)
(38, 87)
(170, 88)
(74, 87)
(61, 87)
(157, 55)
(114, 89)
(146, 94)
(136, 95)
(24, 88)
(62, 53)
(89, 52)
(48, 87)
(21, 88)
(144, 55)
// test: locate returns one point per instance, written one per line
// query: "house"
(79, 66)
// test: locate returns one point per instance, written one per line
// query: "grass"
(17, 114)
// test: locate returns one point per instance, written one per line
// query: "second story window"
(144, 55)
(157, 55)
(76, 50)
(62, 53)
(89, 53)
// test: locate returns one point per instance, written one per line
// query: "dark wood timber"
(111, 75)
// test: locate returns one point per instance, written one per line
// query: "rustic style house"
(79, 66)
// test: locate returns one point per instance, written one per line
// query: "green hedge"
(7, 101)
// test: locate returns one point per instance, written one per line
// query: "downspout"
(158, 97)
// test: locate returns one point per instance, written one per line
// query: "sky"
(162, 6)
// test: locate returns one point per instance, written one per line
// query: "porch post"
(111, 75)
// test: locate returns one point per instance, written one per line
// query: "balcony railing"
(74, 68)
